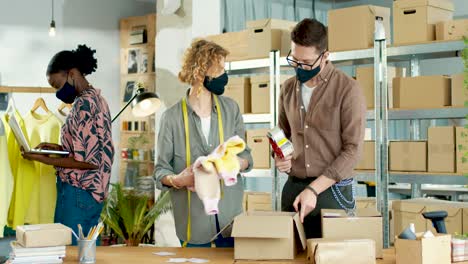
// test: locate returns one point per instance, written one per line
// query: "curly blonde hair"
(198, 58)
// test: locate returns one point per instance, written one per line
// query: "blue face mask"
(67, 93)
(305, 75)
(216, 85)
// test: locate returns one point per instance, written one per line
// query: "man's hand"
(283, 165)
(307, 201)
(49, 146)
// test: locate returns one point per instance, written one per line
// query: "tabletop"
(116, 255)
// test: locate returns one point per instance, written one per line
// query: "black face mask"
(216, 85)
(305, 75)
(67, 93)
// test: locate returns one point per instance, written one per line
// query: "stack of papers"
(38, 255)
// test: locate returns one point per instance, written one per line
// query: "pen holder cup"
(87, 251)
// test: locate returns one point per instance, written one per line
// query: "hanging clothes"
(23, 175)
(6, 179)
(42, 128)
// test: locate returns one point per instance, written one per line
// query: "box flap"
(360, 212)
(300, 231)
(442, 4)
(263, 225)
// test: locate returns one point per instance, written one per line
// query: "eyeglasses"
(304, 66)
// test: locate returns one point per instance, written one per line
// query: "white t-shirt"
(206, 125)
(307, 95)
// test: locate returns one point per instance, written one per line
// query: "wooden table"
(117, 255)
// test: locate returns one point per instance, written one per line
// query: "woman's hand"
(49, 146)
(185, 178)
(31, 156)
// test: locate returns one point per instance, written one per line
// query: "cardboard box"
(238, 88)
(459, 92)
(368, 157)
(441, 149)
(365, 77)
(268, 236)
(352, 28)
(408, 156)
(434, 250)
(45, 235)
(235, 42)
(367, 224)
(410, 211)
(261, 92)
(406, 212)
(421, 92)
(266, 35)
(257, 140)
(331, 251)
(461, 138)
(452, 30)
(258, 201)
(414, 21)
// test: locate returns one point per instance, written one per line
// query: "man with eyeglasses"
(322, 111)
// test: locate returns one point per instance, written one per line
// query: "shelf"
(247, 64)
(256, 118)
(17, 89)
(431, 50)
(417, 177)
(435, 113)
(258, 173)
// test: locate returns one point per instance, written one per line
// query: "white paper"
(164, 254)
(177, 260)
(197, 260)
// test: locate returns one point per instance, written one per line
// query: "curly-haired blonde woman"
(203, 114)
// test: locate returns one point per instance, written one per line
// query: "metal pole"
(381, 126)
(415, 126)
(274, 99)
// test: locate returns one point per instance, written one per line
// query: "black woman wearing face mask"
(207, 115)
(322, 111)
(82, 177)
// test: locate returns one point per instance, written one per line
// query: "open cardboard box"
(365, 224)
(268, 236)
(435, 250)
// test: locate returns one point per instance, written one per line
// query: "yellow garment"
(6, 180)
(225, 159)
(42, 128)
(23, 174)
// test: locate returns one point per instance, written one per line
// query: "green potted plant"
(131, 216)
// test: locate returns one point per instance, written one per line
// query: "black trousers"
(312, 222)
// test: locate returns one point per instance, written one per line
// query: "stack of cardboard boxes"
(443, 152)
(257, 201)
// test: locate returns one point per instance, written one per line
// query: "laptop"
(21, 139)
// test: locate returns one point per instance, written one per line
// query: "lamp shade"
(145, 104)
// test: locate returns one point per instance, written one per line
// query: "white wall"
(26, 48)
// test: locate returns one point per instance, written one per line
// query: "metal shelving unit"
(380, 55)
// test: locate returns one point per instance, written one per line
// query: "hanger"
(11, 108)
(63, 106)
(40, 103)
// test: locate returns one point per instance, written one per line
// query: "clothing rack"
(19, 89)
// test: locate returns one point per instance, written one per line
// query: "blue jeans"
(76, 206)
(227, 242)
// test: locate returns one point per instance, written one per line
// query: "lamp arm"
(140, 90)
